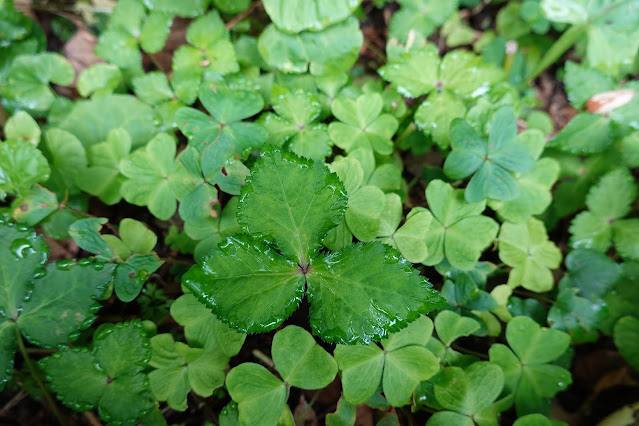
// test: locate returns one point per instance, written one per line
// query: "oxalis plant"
(280, 212)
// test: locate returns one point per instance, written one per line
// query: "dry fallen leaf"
(79, 50)
(605, 102)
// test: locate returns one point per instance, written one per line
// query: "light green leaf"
(63, 302)
(131, 275)
(436, 113)
(300, 360)
(202, 329)
(585, 134)
(344, 415)
(350, 172)
(149, 172)
(333, 50)
(152, 88)
(454, 220)
(583, 82)
(451, 326)
(534, 344)
(259, 306)
(102, 178)
(260, 395)
(21, 126)
(361, 370)
(86, 234)
(365, 207)
(29, 76)
(526, 248)
(626, 333)
(404, 368)
(416, 333)
(365, 292)
(21, 165)
(67, 159)
(99, 80)
(297, 15)
(447, 418)
(92, 120)
(413, 73)
(410, 238)
(155, 31)
(298, 224)
(35, 206)
(624, 234)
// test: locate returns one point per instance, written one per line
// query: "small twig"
(262, 357)
(36, 377)
(240, 16)
(12, 403)
(91, 418)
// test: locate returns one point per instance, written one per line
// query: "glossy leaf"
(365, 292)
(295, 16)
(293, 201)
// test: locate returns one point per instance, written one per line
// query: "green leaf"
(451, 326)
(131, 275)
(410, 238)
(331, 51)
(625, 334)
(152, 88)
(86, 234)
(202, 329)
(296, 224)
(361, 371)
(417, 333)
(421, 17)
(445, 418)
(149, 171)
(155, 31)
(577, 316)
(365, 292)
(527, 374)
(583, 82)
(585, 134)
(300, 360)
(92, 120)
(344, 415)
(116, 385)
(35, 206)
(493, 160)
(103, 178)
(21, 126)
(404, 368)
(137, 237)
(365, 207)
(64, 301)
(67, 159)
(458, 232)
(436, 113)
(8, 344)
(21, 165)
(180, 369)
(362, 124)
(471, 390)
(99, 80)
(593, 273)
(258, 306)
(526, 248)
(297, 16)
(260, 395)
(29, 76)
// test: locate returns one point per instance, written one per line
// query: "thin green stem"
(565, 42)
(36, 377)
(301, 415)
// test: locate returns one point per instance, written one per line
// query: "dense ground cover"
(296, 212)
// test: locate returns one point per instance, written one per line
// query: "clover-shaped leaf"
(529, 376)
(420, 16)
(292, 203)
(296, 123)
(209, 51)
(149, 172)
(300, 361)
(526, 248)
(180, 369)
(362, 124)
(100, 377)
(577, 316)
(402, 364)
(492, 161)
(458, 232)
(608, 202)
(410, 238)
(451, 326)
(593, 273)
(67, 158)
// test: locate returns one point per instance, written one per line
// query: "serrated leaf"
(298, 225)
(300, 360)
(454, 221)
(451, 326)
(115, 384)
(626, 333)
(593, 273)
(258, 307)
(583, 82)
(583, 135)
(526, 248)
(152, 88)
(298, 15)
(21, 165)
(436, 113)
(63, 302)
(365, 292)
(260, 395)
(99, 80)
(8, 344)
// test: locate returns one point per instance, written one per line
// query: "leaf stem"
(262, 357)
(241, 16)
(469, 352)
(301, 415)
(36, 377)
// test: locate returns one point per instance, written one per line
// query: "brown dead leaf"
(79, 50)
(605, 102)
(364, 416)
